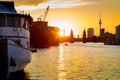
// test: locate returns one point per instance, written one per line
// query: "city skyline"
(77, 14)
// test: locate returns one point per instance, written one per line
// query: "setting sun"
(65, 28)
(61, 33)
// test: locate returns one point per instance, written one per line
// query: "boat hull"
(16, 57)
(3, 60)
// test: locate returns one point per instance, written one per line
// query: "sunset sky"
(75, 14)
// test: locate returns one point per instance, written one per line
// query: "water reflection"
(76, 61)
(61, 65)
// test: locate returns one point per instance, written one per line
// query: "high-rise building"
(118, 34)
(90, 32)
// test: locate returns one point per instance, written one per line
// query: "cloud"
(32, 4)
(28, 2)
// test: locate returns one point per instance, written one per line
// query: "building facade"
(90, 32)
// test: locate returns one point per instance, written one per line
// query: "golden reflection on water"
(76, 62)
(61, 65)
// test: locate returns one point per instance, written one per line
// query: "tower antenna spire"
(100, 22)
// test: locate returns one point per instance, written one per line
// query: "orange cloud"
(28, 2)
(32, 4)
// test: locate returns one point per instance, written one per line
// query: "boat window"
(22, 20)
(18, 42)
(13, 21)
(17, 21)
(2, 20)
(10, 22)
(27, 23)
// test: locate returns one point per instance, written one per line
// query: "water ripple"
(76, 61)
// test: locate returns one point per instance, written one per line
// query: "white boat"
(15, 51)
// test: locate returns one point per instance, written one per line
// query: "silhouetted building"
(84, 36)
(109, 38)
(39, 34)
(118, 34)
(54, 38)
(42, 24)
(94, 39)
(71, 36)
(42, 36)
(102, 32)
(90, 32)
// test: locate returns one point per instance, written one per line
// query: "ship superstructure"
(14, 39)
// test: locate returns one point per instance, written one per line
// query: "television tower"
(100, 24)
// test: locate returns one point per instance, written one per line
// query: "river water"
(76, 61)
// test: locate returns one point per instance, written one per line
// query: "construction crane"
(45, 15)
